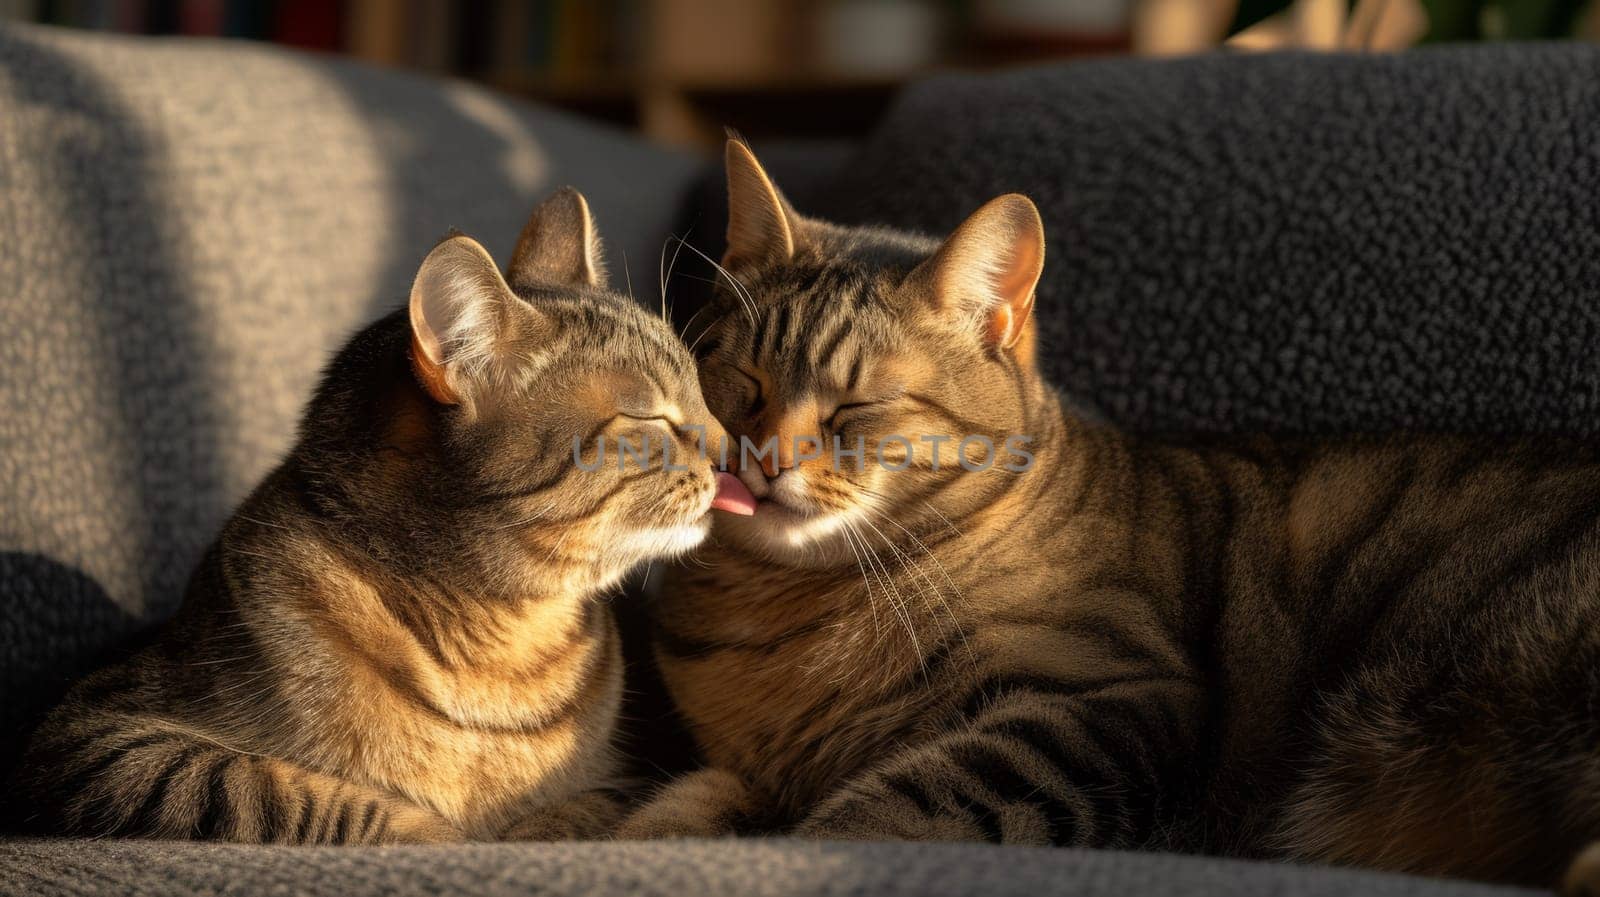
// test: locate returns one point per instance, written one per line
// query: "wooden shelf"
(694, 110)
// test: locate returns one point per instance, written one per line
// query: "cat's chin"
(665, 541)
(791, 537)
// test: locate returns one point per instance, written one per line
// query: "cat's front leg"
(869, 809)
(1087, 767)
(585, 816)
(706, 803)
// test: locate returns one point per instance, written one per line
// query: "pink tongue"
(732, 495)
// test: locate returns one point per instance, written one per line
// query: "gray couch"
(188, 228)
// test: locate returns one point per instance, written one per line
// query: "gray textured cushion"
(187, 229)
(673, 869)
(1291, 242)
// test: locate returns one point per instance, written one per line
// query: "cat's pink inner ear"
(427, 355)
(457, 311)
(986, 272)
(430, 374)
(1017, 277)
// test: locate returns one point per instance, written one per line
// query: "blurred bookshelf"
(679, 70)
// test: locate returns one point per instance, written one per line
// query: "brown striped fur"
(401, 635)
(1378, 651)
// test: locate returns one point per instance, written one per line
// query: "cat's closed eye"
(863, 407)
(848, 410)
(646, 415)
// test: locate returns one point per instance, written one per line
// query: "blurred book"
(201, 17)
(376, 31)
(308, 24)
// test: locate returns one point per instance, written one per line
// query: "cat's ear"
(985, 273)
(559, 246)
(462, 316)
(762, 228)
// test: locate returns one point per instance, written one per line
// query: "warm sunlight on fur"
(1304, 648)
(400, 636)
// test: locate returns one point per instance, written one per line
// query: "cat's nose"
(775, 463)
(793, 438)
(791, 452)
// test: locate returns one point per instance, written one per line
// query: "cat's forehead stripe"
(614, 326)
(802, 333)
(827, 346)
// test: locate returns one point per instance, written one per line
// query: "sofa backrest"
(188, 229)
(1303, 242)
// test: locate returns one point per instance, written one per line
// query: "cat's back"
(1317, 503)
(1310, 553)
(1387, 583)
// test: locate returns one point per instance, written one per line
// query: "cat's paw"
(590, 815)
(858, 814)
(866, 813)
(416, 825)
(707, 803)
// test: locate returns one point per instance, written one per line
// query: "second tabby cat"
(400, 635)
(1373, 651)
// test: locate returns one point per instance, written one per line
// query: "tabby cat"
(1380, 651)
(400, 635)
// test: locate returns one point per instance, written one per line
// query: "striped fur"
(1377, 651)
(400, 635)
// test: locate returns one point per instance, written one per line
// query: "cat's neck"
(1065, 443)
(467, 609)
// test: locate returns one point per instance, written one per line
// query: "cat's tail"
(130, 774)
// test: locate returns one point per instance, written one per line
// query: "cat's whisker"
(170, 726)
(626, 274)
(524, 521)
(208, 663)
(698, 279)
(697, 339)
(661, 269)
(664, 268)
(903, 556)
(690, 323)
(886, 501)
(878, 508)
(921, 545)
(872, 603)
(932, 588)
(739, 289)
(554, 552)
(902, 561)
(868, 560)
(946, 520)
(896, 600)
